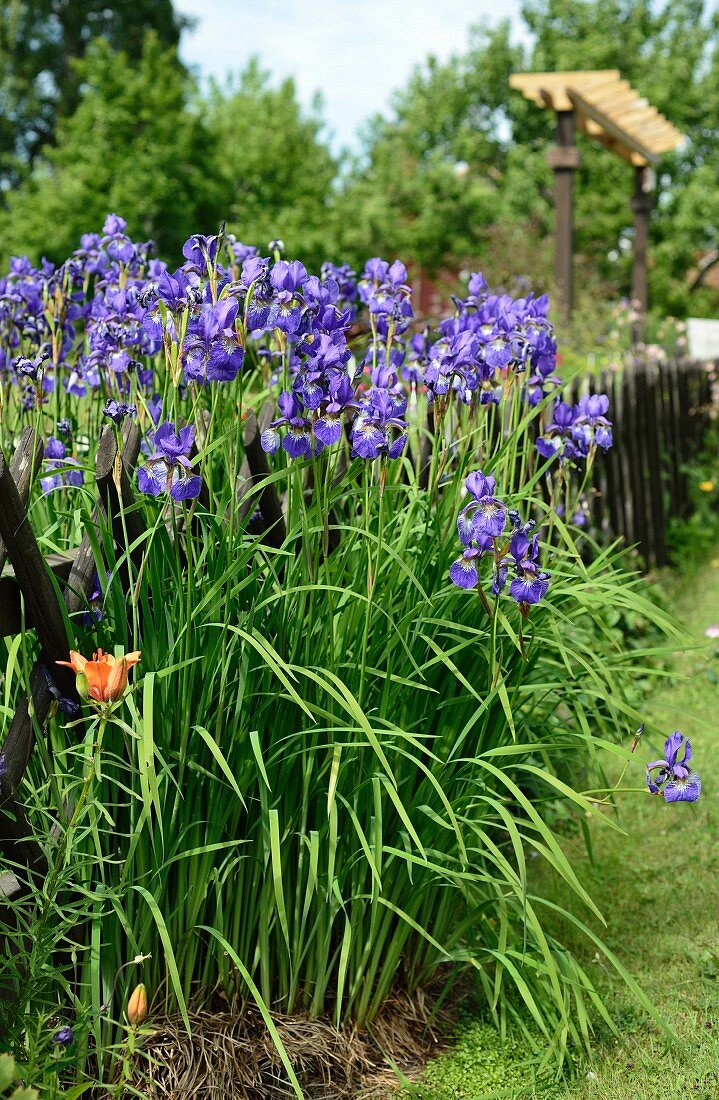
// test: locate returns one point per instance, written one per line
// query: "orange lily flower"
(105, 675)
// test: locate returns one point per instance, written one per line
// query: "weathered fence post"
(255, 469)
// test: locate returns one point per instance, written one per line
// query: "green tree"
(426, 183)
(40, 41)
(273, 166)
(459, 173)
(136, 144)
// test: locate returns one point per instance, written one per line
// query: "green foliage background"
(454, 176)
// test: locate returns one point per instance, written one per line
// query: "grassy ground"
(659, 890)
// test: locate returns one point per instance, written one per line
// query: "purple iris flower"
(200, 252)
(62, 469)
(288, 280)
(154, 407)
(116, 243)
(117, 410)
(591, 426)
(114, 226)
(464, 572)
(374, 274)
(63, 1036)
(169, 468)
(94, 600)
(530, 585)
(477, 286)
(542, 350)
(485, 514)
(213, 352)
(175, 291)
(31, 368)
(76, 478)
(255, 282)
(346, 281)
(328, 427)
(55, 448)
(558, 440)
(673, 777)
(454, 363)
(67, 706)
(51, 481)
(378, 430)
(297, 440)
(240, 252)
(328, 354)
(480, 525)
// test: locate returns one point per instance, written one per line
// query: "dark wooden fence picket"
(660, 411)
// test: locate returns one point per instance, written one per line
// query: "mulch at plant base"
(233, 1056)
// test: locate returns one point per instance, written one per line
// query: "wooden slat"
(32, 576)
(17, 844)
(621, 150)
(11, 617)
(632, 118)
(23, 466)
(549, 89)
(623, 137)
(616, 97)
(657, 130)
(255, 468)
(535, 81)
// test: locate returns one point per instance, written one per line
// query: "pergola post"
(564, 158)
(641, 205)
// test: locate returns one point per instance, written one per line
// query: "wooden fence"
(660, 412)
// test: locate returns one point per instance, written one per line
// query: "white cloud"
(355, 52)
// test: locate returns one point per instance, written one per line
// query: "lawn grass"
(658, 887)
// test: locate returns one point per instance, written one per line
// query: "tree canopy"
(455, 175)
(134, 145)
(142, 143)
(40, 41)
(275, 171)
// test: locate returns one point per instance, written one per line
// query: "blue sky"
(355, 52)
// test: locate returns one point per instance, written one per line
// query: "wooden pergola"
(609, 110)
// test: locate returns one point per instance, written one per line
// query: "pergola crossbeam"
(613, 129)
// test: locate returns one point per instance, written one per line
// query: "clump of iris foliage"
(337, 752)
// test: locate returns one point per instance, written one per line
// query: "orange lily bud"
(137, 1005)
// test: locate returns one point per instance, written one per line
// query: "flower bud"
(137, 1005)
(63, 1036)
(81, 686)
